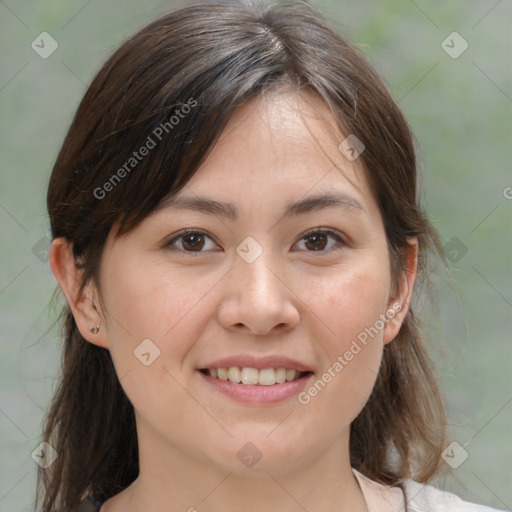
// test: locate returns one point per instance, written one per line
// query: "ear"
(398, 305)
(85, 307)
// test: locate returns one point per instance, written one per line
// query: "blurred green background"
(461, 111)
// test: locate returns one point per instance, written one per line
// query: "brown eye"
(318, 240)
(193, 242)
(190, 241)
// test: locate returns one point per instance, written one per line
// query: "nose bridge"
(256, 268)
(257, 297)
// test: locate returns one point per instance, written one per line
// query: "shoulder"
(423, 498)
(412, 496)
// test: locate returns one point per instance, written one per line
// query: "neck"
(171, 480)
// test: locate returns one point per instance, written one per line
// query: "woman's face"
(271, 276)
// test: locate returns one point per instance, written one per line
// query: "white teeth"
(234, 374)
(253, 376)
(280, 375)
(290, 374)
(267, 377)
(249, 376)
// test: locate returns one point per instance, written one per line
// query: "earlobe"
(399, 305)
(88, 317)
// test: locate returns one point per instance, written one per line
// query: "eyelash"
(187, 232)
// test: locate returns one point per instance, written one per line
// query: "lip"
(257, 394)
(260, 363)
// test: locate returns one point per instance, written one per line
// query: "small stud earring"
(95, 329)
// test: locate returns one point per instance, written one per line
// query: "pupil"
(195, 238)
(316, 238)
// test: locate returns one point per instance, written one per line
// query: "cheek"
(142, 312)
(350, 304)
(155, 316)
(349, 301)
(148, 299)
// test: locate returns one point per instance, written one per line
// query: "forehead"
(280, 144)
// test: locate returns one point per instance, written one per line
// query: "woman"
(238, 236)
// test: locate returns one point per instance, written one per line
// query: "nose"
(258, 298)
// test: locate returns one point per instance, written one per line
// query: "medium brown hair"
(222, 55)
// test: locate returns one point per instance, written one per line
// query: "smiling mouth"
(253, 376)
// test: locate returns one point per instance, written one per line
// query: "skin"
(292, 300)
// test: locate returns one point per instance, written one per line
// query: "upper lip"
(248, 361)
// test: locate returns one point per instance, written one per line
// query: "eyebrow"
(230, 211)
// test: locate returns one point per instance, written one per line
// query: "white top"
(420, 498)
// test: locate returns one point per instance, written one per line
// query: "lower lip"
(258, 394)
